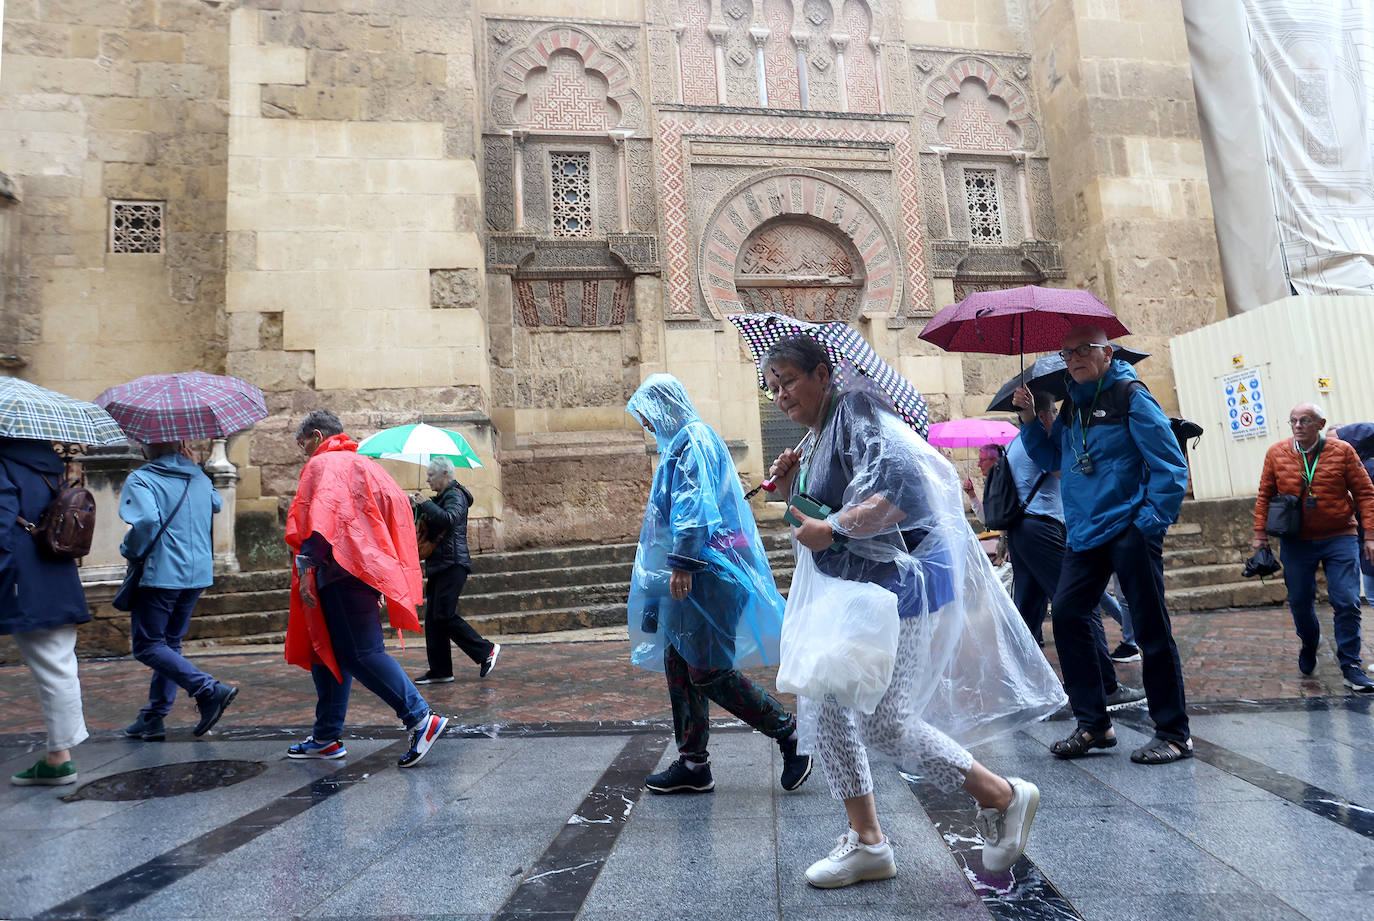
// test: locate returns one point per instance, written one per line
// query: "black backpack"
(1114, 406)
(1002, 505)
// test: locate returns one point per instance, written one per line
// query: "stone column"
(1131, 198)
(1023, 197)
(943, 154)
(718, 34)
(878, 73)
(225, 477)
(622, 186)
(760, 37)
(799, 41)
(518, 178)
(678, 29)
(841, 41)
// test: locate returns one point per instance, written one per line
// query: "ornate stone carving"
(573, 302)
(639, 174)
(561, 76)
(896, 186)
(498, 194)
(823, 91)
(505, 252)
(639, 251)
(1000, 266)
(662, 65)
(800, 269)
(780, 56)
(971, 103)
(698, 54)
(861, 60)
(735, 237)
(741, 78)
(932, 208)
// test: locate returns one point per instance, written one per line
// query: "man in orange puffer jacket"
(1330, 481)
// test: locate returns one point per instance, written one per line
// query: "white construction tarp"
(1285, 94)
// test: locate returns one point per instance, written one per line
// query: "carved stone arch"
(810, 200)
(625, 110)
(963, 90)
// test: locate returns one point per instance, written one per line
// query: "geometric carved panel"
(573, 302)
(780, 56)
(562, 80)
(861, 59)
(736, 242)
(698, 55)
(800, 269)
(565, 96)
(973, 108)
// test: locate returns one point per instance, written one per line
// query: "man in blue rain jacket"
(1124, 479)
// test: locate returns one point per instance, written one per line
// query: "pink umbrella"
(1015, 321)
(971, 433)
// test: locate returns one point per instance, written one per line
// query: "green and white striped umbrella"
(417, 444)
(30, 411)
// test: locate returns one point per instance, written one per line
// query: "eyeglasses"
(1082, 351)
(1302, 421)
(786, 386)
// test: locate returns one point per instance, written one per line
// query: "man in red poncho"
(352, 530)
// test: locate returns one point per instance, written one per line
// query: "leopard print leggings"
(841, 733)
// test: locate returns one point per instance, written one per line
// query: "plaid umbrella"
(845, 347)
(1014, 321)
(37, 413)
(192, 404)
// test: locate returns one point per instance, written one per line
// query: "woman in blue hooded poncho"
(703, 602)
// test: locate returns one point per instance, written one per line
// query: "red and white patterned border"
(673, 187)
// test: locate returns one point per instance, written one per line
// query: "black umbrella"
(1360, 436)
(1050, 374)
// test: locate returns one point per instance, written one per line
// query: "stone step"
(550, 620)
(236, 625)
(542, 599)
(273, 638)
(231, 602)
(1247, 594)
(553, 558)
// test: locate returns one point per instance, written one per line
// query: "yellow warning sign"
(1240, 388)
(1237, 361)
(1244, 401)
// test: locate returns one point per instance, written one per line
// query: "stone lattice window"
(572, 194)
(984, 211)
(137, 226)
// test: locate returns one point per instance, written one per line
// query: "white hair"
(440, 464)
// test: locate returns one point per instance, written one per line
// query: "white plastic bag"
(838, 637)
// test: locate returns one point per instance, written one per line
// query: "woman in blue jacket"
(168, 504)
(43, 604)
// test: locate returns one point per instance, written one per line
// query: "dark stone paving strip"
(1022, 893)
(1314, 799)
(561, 878)
(119, 893)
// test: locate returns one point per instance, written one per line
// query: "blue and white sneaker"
(312, 749)
(422, 739)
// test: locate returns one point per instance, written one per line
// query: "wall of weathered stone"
(355, 273)
(112, 100)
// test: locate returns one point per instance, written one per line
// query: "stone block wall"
(355, 268)
(109, 100)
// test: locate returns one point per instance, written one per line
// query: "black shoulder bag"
(124, 598)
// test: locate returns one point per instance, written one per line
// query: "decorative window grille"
(572, 194)
(137, 226)
(984, 212)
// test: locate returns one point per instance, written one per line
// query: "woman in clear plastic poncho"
(966, 667)
(702, 598)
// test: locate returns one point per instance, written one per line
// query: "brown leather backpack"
(66, 525)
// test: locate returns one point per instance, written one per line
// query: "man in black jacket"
(447, 569)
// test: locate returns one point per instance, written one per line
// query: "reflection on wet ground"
(168, 780)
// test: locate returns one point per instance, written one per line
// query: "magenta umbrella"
(1014, 321)
(160, 408)
(971, 433)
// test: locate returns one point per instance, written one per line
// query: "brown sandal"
(1081, 743)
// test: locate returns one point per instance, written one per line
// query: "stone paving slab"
(1265, 824)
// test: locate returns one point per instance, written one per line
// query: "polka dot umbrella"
(846, 347)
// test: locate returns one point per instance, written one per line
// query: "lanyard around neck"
(1084, 422)
(1309, 472)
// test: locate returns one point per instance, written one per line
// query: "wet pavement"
(531, 806)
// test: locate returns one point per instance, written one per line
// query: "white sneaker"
(1005, 832)
(851, 862)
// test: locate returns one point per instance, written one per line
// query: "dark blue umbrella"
(1050, 374)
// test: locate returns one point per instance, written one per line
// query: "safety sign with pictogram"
(1246, 413)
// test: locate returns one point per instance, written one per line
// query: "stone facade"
(501, 215)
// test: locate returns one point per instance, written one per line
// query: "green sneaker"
(43, 774)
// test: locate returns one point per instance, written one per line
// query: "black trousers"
(1036, 547)
(444, 625)
(1139, 563)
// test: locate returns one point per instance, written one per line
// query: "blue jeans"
(352, 615)
(1340, 557)
(157, 625)
(1115, 607)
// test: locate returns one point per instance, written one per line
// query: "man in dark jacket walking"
(43, 604)
(1123, 483)
(447, 569)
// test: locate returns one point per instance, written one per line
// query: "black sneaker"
(212, 705)
(1125, 652)
(1307, 660)
(1355, 679)
(679, 778)
(795, 768)
(431, 678)
(490, 661)
(147, 728)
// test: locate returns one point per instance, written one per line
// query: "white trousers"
(843, 734)
(50, 655)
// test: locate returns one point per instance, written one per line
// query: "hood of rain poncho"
(897, 500)
(697, 520)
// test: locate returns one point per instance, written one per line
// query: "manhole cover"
(168, 780)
